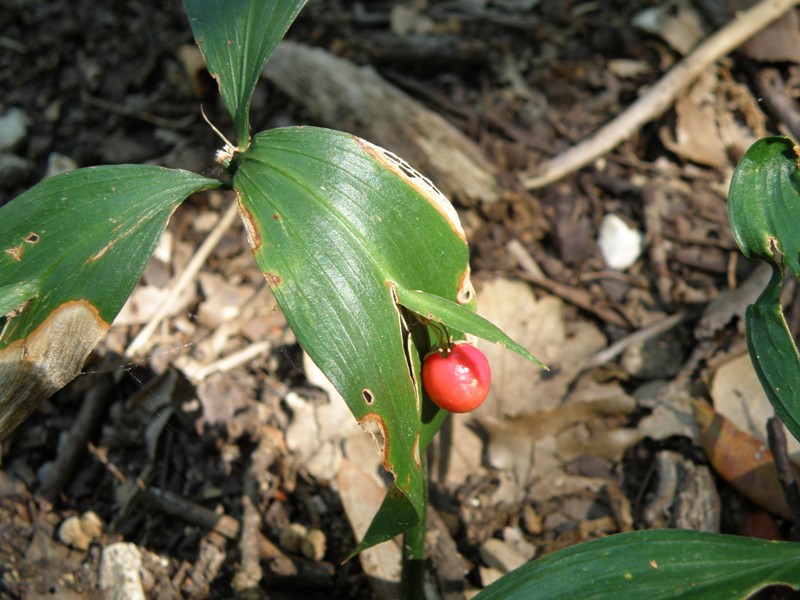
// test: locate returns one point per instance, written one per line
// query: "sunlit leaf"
(764, 211)
(237, 37)
(73, 248)
(455, 316)
(335, 222)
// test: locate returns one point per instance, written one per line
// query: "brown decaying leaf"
(36, 367)
(741, 459)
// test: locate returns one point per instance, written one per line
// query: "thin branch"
(786, 473)
(640, 335)
(577, 296)
(662, 95)
(184, 280)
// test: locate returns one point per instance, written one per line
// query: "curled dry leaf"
(742, 460)
(36, 367)
(739, 397)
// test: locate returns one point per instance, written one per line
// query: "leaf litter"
(220, 437)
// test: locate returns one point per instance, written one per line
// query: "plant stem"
(413, 571)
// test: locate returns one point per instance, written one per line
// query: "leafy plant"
(346, 234)
(365, 256)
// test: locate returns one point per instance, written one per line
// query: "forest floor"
(218, 439)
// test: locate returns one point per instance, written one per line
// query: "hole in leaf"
(368, 397)
(373, 424)
(465, 293)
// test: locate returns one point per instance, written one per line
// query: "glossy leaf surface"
(73, 248)
(237, 37)
(764, 211)
(336, 225)
(653, 565)
(455, 316)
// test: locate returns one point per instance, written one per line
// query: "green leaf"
(774, 354)
(652, 565)
(73, 247)
(764, 211)
(435, 308)
(237, 37)
(14, 295)
(335, 221)
(764, 203)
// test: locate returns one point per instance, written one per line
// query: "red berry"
(458, 382)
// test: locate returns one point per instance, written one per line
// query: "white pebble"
(620, 244)
(120, 572)
(13, 129)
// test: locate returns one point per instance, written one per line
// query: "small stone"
(92, 525)
(13, 129)
(59, 163)
(620, 244)
(513, 535)
(292, 537)
(532, 520)
(489, 575)
(319, 504)
(501, 555)
(120, 572)
(80, 532)
(43, 472)
(72, 534)
(656, 358)
(314, 545)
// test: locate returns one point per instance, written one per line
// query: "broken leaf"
(334, 223)
(84, 237)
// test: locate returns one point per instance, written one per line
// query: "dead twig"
(661, 96)
(178, 506)
(579, 297)
(229, 362)
(786, 474)
(74, 446)
(640, 335)
(183, 280)
(255, 485)
(771, 87)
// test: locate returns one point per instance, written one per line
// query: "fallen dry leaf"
(741, 459)
(739, 397)
(697, 135)
(518, 386)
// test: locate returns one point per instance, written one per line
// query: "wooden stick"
(73, 448)
(185, 279)
(659, 99)
(577, 296)
(786, 474)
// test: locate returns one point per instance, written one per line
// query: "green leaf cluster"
(363, 254)
(764, 211)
